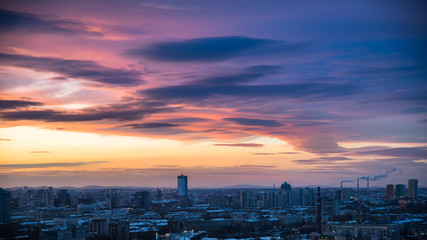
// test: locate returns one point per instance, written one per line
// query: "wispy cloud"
(12, 104)
(120, 112)
(274, 153)
(255, 166)
(80, 69)
(168, 6)
(28, 22)
(201, 49)
(255, 122)
(303, 91)
(256, 145)
(412, 152)
(151, 125)
(48, 165)
(322, 160)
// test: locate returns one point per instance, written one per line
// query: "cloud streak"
(253, 145)
(12, 104)
(119, 112)
(201, 49)
(79, 69)
(20, 21)
(411, 152)
(151, 125)
(48, 165)
(322, 160)
(302, 91)
(254, 122)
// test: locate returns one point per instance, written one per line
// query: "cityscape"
(94, 212)
(213, 119)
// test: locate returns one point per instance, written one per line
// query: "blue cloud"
(285, 91)
(87, 70)
(12, 104)
(47, 165)
(20, 21)
(201, 49)
(151, 125)
(254, 122)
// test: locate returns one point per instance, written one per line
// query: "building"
(285, 187)
(389, 192)
(118, 230)
(112, 199)
(182, 186)
(5, 206)
(399, 191)
(63, 199)
(246, 199)
(330, 207)
(98, 227)
(141, 199)
(413, 188)
(342, 195)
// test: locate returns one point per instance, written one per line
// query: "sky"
(135, 92)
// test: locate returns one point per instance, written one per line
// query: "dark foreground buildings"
(284, 213)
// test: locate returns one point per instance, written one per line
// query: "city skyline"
(228, 93)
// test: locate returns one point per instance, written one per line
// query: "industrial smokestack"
(319, 212)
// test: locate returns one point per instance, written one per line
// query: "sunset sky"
(134, 93)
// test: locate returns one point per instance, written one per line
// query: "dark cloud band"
(255, 122)
(201, 49)
(81, 69)
(256, 145)
(12, 104)
(48, 165)
(20, 21)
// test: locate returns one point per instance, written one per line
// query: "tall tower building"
(413, 188)
(63, 199)
(5, 206)
(182, 186)
(142, 199)
(399, 190)
(390, 192)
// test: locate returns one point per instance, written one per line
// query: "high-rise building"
(296, 197)
(285, 187)
(246, 199)
(283, 198)
(182, 186)
(112, 199)
(389, 192)
(330, 207)
(5, 206)
(142, 199)
(63, 199)
(399, 190)
(413, 188)
(307, 196)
